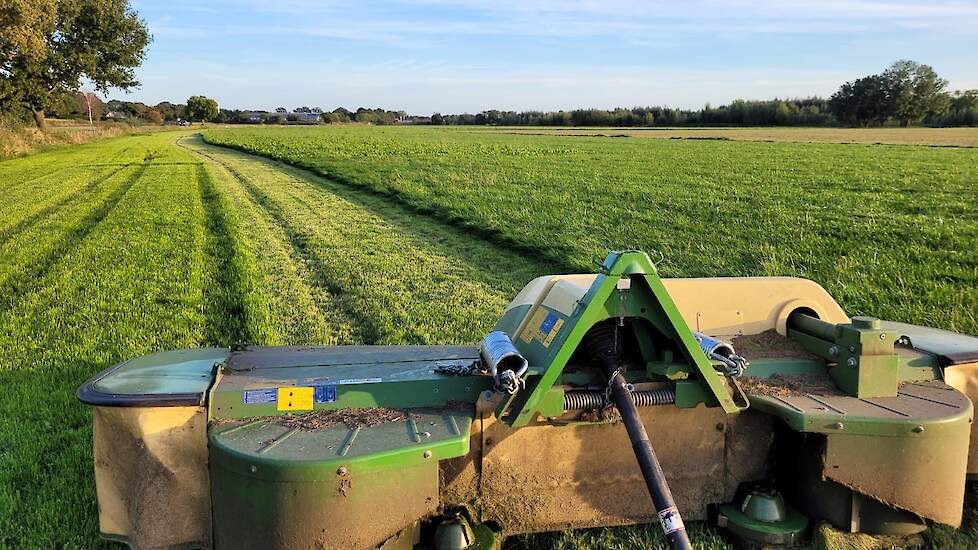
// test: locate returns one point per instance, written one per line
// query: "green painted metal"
(787, 528)
(922, 409)
(866, 364)
(356, 378)
(646, 299)
(267, 449)
(359, 506)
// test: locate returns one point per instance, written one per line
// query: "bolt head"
(834, 350)
(427, 454)
(852, 362)
(341, 471)
(253, 469)
(918, 429)
(839, 426)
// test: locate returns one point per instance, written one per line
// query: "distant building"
(414, 120)
(253, 117)
(303, 118)
(116, 115)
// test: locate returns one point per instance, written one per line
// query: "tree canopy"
(48, 46)
(906, 92)
(202, 109)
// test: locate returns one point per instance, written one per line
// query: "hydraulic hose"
(603, 347)
(655, 479)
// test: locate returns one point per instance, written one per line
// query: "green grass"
(114, 249)
(888, 230)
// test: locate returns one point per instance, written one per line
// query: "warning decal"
(295, 398)
(671, 520)
(543, 326)
(254, 397)
(324, 394)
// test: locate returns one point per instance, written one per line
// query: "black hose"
(655, 479)
(603, 347)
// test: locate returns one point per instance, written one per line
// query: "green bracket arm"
(593, 308)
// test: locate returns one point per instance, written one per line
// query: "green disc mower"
(604, 399)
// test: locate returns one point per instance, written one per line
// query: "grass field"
(113, 249)
(938, 137)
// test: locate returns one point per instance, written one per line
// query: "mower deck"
(861, 423)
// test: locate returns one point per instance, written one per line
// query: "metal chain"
(457, 369)
(733, 366)
(508, 382)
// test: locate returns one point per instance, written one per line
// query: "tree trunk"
(42, 123)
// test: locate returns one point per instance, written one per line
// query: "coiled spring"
(584, 400)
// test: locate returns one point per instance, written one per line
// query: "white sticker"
(671, 521)
(358, 381)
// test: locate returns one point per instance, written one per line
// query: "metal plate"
(282, 451)
(953, 348)
(260, 358)
(917, 405)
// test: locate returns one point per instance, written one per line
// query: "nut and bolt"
(852, 362)
(834, 350)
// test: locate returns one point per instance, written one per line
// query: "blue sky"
(469, 55)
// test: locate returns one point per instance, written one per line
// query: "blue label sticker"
(548, 323)
(324, 394)
(253, 397)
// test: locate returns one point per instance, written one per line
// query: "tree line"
(47, 47)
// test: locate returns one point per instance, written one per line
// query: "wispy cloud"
(473, 54)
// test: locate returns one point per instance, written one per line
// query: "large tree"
(915, 91)
(48, 46)
(201, 108)
(906, 91)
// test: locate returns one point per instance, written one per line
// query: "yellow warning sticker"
(533, 327)
(296, 398)
(544, 326)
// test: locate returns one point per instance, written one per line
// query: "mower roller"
(753, 403)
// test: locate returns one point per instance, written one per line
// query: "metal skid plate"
(272, 446)
(908, 451)
(918, 407)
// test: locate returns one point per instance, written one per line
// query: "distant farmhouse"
(303, 118)
(414, 120)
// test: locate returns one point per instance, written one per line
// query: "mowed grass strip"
(390, 276)
(294, 305)
(32, 182)
(139, 280)
(235, 305)
(28, 254)
(888, 230)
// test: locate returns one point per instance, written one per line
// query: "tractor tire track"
(18, 286)
(298, 241)
(8, 232)
(366, 250)
(232, 318)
